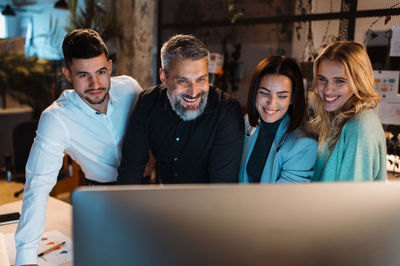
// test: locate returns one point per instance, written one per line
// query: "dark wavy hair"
(281, 66)
(83, 43)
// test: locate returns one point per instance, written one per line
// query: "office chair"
(22, 140)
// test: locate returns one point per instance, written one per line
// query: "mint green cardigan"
(359, 153)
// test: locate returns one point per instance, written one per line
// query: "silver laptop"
(291, 224)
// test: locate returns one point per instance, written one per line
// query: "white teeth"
(330, 99)
(269, 111)
(190, 99)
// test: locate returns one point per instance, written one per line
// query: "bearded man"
(194, 131)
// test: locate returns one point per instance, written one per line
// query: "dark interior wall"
(210, 21)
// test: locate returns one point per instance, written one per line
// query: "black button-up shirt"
(206, 149)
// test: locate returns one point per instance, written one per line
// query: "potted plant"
(26, 79)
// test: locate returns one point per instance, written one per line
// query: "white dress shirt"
(91, 138)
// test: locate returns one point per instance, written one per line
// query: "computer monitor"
(290, 224)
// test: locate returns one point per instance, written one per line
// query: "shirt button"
(176, 159)
(177, 139)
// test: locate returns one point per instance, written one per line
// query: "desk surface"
(58, 217)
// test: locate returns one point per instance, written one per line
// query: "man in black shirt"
(194, 131)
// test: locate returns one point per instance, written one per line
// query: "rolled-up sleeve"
(44, 162)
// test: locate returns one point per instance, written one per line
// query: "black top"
(259, 156)
(206, 149)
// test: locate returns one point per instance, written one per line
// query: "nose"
(193, 89)
(271, 101)
(329, 88)
(94, 82)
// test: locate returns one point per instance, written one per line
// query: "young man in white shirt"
(87, 123)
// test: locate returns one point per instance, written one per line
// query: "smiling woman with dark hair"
(276, 149)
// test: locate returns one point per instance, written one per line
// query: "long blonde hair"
(359, 73)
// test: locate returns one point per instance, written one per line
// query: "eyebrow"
(182, 77)
(319, 75)
(85, 72)
(205, 75)
(103, 68)
(279, 92)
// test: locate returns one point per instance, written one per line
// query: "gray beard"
(187, 115)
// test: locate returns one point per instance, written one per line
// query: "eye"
(282, 96)
(83, 75)
(340, 81)
(321, 79)
(102, 71)
(202, 79)
(264, 93)
(182, 82)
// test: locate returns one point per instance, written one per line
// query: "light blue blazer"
(290, 160)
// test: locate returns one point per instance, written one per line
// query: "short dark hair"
(83, 43)
(182, 47)
(281, 66)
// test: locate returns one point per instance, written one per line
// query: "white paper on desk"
(49, 239)
(3, 252)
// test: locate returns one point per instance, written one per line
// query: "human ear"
(163, 76)
(67, 74)
(109, 67)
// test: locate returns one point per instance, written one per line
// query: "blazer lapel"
(270, 173)
(250, 138)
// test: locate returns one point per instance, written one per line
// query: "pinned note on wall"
(215, 63)
(386, 84)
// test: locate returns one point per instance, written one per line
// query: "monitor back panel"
(296, 224)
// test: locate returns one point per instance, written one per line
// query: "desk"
(58, 217)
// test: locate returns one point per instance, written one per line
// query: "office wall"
(257, 40)
(330, 28)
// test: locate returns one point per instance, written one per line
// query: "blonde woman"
(351, 139)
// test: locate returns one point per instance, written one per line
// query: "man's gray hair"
(182, 47)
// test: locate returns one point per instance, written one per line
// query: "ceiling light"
(61, 4)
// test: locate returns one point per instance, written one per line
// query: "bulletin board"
(386, 84)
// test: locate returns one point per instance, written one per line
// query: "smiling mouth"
(190, 99)
(270, 112)
(330, 99)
